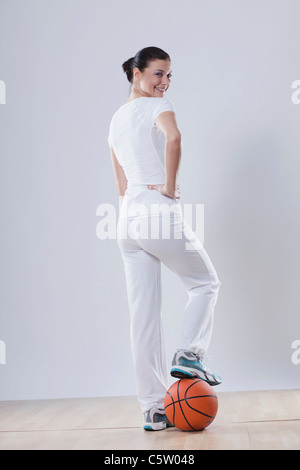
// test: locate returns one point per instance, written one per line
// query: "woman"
(145, 147)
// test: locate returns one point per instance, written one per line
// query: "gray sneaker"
(186, 365)
(156, 420)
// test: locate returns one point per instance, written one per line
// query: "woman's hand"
(165, 191)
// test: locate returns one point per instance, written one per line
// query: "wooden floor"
(245, 420)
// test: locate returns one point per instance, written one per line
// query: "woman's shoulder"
(145, 102)
(157, 101)
(147, 108)
(156, 104)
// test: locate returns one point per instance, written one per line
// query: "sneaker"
(186, 365)
(156, 420)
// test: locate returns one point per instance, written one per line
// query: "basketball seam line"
(173, 407)
(194, 409)
(179, 401)
(188, 398)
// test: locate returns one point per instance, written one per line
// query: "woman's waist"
(140, 200)
(134, 189)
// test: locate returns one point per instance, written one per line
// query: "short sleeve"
(164, 104)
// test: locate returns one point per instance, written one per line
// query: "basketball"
(191, 404)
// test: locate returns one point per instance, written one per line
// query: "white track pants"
(142, 256)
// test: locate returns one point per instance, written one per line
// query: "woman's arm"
(166, 122)
(120, 178)
(172, 161)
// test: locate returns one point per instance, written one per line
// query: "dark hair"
(141, 60)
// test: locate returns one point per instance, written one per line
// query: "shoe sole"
(182, 372)
(155, 426)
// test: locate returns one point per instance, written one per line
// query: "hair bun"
(127, 64)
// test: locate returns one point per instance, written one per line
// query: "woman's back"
(137, 143)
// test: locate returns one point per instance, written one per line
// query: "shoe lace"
(201, 357)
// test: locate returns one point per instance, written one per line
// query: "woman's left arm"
(120, 178)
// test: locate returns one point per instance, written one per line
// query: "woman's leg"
(143, 279)
(183, 254)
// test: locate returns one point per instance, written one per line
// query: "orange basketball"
(191, 404)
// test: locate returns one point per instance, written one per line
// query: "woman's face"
(155, 79)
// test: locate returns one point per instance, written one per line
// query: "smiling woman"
(145, 147)
(151, 68)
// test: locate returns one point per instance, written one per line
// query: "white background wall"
(63, 307)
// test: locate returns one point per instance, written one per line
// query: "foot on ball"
(186, 365)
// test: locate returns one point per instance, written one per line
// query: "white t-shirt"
(138, 144)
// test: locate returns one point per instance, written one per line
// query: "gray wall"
(64, 317)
